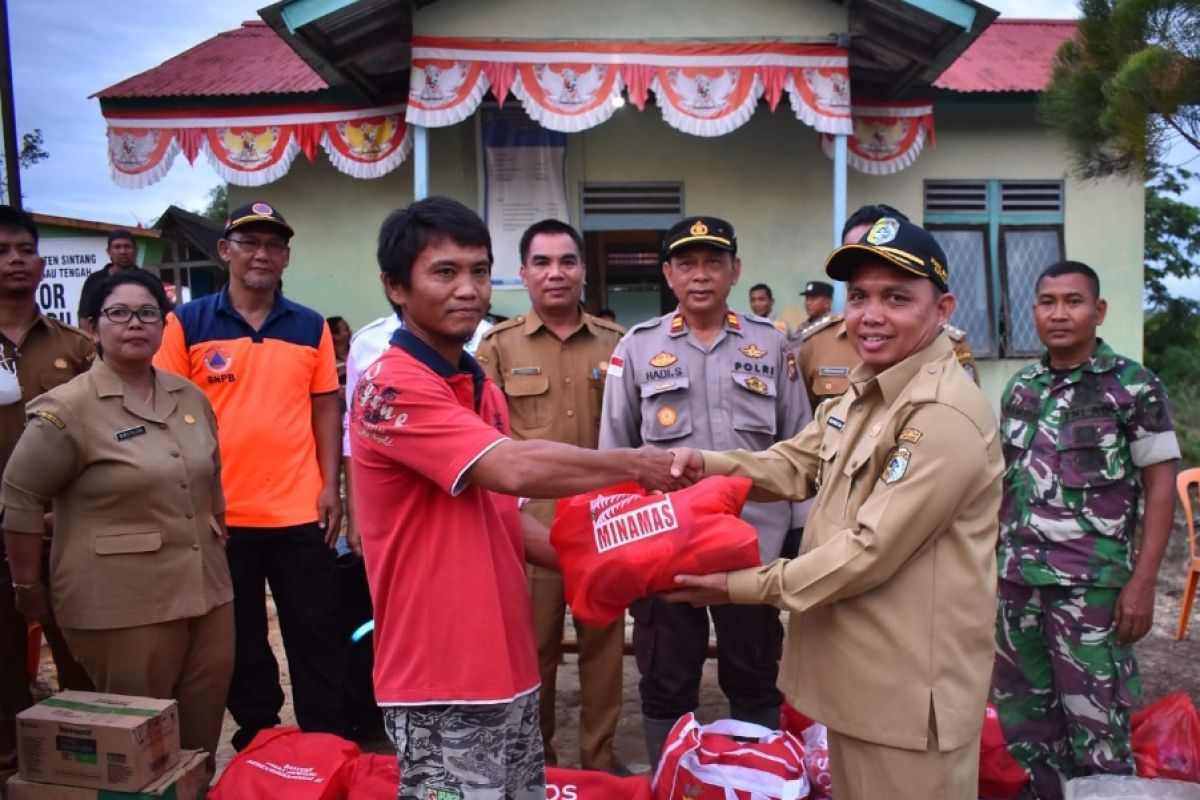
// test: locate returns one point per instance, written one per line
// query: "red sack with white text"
(730, 760)
(619, 544)
(816, 749)
(285, 764)
(586, 784)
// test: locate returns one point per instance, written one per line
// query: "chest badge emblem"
(663, 359)
(897, 465)
(756, 385)
(666, 416)
(753, 351)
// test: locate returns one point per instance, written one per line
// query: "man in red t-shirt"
(436, 481)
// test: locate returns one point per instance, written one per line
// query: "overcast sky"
(65, 50)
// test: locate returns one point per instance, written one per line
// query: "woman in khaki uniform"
(127, 457)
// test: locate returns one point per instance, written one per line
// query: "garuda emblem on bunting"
(249, 148)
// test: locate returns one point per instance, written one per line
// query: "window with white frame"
(998, 236)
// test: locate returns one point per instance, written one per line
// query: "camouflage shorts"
(1062, 685)
(469, 752)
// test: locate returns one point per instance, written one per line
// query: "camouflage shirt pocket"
(1089, 454)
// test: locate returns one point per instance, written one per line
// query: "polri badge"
(757, 386)
(753, 351)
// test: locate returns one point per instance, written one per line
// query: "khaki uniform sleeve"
(46, 459)
(950, 463)
(787, 470)
(488, 356)
(218, 494)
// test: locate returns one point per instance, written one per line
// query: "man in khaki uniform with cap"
(826, 355)
(892, 597)
(551, 363)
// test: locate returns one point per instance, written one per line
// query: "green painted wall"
(769, 178)
(629, 19)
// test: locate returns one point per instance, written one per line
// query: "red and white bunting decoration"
(705, 89)
(887, 138)
(367, 148)
(252, 156)
(567, 97)
(140, 156)
(252, 150)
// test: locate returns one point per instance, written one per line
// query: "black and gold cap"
(900, 242)
(709, 231)
(257, 212)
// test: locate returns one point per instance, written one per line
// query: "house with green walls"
(621, 117)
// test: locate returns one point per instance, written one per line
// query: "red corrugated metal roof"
(1011, 55)
(252, 59)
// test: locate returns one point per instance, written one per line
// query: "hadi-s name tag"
(526, 370)
(129, 433)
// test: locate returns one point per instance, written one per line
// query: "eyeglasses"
(274, 246)
(122, 314)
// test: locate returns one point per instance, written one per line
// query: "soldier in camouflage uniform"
(1085, 432)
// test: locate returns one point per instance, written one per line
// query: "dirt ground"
(1167, 665)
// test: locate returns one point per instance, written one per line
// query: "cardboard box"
(185, 782)
(98, 741)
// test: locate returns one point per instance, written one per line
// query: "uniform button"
(566, 380)
(570, 412)
(858, 406)
(828, 385)
(933, 370)
(195, 546)
(174, 454)
(189, 515)
(183, 486)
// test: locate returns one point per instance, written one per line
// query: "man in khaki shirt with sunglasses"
(892, 597)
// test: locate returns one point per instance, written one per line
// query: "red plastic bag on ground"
(1166, 739)
(1000, 776)
(816, 749)
(730, 760)
(583, 784)
(619, 544)
(376, 777)
(285, 764)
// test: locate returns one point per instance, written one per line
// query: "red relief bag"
(619, 544)
(583, 784)
(1000, 776)
(375, 777)
(730, 760)
(285, 764)
(1166, 739)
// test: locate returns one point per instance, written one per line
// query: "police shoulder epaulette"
(820, 325)
(511, 322)
(957, 334)
(654, 322)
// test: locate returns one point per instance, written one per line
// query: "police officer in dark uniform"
(706, 376)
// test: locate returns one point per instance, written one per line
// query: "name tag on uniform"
(834, 372)
(835, 423)
(526, 370)
(129, 433)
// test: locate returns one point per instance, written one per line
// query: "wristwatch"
(24, 587)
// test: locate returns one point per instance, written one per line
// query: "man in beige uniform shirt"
(551, 364)
(37, 353)
(893, 593)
